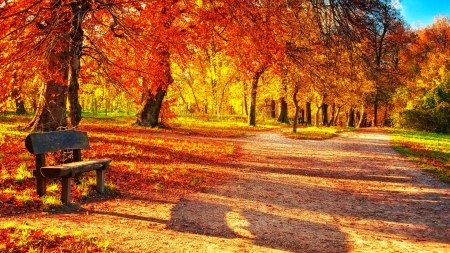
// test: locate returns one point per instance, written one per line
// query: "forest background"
(340, 62)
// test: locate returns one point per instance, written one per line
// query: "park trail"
(351, 193)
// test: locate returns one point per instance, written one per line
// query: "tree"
(59, 33)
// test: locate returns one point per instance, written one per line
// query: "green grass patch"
(430, 150)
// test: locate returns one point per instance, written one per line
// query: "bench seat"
(74, 168)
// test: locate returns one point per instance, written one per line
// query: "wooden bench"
(48, 142)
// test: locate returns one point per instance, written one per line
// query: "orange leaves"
(25, 239)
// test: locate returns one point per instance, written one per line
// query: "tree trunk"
(316, 123)
(254, 90)
(362, 117)
(375, 110)
(283, 117)
(308, 114)
(148, 115)
(325, 114)
(337, 115)
(272, 109)
(245, 98)
(333, 111)
(17, 96)
(51, 112)
(294, 97)
(75, 51)
(351, 118)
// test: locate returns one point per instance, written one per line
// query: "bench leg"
(66, 188)
(100, 181)
(40, 184)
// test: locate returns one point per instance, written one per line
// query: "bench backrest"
(40, 143)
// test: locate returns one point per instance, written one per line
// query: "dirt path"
(352, 193)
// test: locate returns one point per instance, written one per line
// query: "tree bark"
(148, 115)
(297, 108)
(375, 110)
(337, 115)
(362, 118)
(272, 109)
(253, 92)
(51, 112)
(283, 117)
(245, 98)
(302, 116)
(351, 118)
(17, 96)
(325, 114)
(316, 122)
(308, 114)
(333, 111)
(75, 51)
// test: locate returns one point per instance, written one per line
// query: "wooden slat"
(40, 143)
(70, 169)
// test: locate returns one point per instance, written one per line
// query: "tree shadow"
(261, 228)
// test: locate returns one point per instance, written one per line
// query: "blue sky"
(419, 13)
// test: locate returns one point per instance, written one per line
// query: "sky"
(420, 13)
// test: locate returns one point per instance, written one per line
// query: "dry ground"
(352, 193)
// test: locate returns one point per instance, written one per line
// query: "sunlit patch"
(238, 223)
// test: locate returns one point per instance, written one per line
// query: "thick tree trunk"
(75, 52)
(253, 92)
(351, 118)
(325, 114)
(283, 117)
(308, 113)
(148, 114)
(297, 108)
(51, 112)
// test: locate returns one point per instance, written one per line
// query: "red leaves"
(143, 160)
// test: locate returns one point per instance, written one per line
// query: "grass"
(224, 127)
(50, 201)
(430, 150)
(22, 173)
(315, 133)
